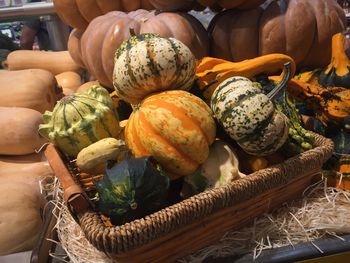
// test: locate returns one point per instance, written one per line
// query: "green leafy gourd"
(249, 116)
(152, 65)
(299, 139)
(131, 189)
(80, 120)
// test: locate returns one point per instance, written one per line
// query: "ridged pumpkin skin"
(80, 120)
(175, 127)
(79, 13)
(300, 29)
(154, 64)
(106, 33)
(249, 116)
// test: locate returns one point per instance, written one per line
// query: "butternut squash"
(20, 159)
(20, 205)
(36, 89)
(54, 61)
(19, 131)
(210, 72)
(67, 92)
(69, 80)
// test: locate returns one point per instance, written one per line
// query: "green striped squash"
(152, 65)
(249, 116)
(80, 120)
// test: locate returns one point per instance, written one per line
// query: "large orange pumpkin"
(175, 127)
(300, 29)
(79, 13)
(105, 34)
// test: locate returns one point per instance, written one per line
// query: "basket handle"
(74, 196)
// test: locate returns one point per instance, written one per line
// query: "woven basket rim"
(123, 238)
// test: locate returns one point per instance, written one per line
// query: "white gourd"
(153, 64)
(249, 116)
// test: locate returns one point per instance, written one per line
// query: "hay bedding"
(323, 211)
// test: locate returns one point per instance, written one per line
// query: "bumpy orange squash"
(210, 72)
(175, 127)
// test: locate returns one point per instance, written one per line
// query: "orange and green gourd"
(338, 71)
(175, 127)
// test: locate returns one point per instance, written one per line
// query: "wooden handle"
(74, 195)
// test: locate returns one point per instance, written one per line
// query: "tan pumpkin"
(106, 33)
(69, 80)
(300, 29)
(21, 204)
(78, 13)
(36, 89)
(54, 61)
(176, 5)
(74, 46)
(175, 127)
(19, 134)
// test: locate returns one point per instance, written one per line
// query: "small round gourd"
(175, 127)
(249, 116)
(151, 65)
(80, 120)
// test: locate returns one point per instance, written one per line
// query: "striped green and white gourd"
(79, 120)
(249, 116)
(152, 65)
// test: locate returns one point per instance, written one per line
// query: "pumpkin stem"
(132, 31)
(280, 87)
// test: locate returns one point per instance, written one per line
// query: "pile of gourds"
(166, 101)
(169, 136)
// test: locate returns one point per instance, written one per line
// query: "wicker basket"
(196, 222)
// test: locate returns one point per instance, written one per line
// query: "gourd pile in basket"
(189, 120)
(151, 107)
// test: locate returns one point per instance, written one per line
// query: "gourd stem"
(280, 87)
(132, 31)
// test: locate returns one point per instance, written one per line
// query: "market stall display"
(160, 131)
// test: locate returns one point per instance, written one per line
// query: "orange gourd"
(175, 127)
